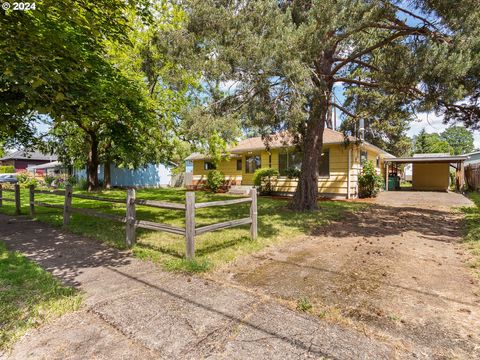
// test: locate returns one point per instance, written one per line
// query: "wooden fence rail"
(130, 219)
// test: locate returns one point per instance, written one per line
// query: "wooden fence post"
(253, 214)
(67, 205)
(17, 199)
(190, 225)
(32, 200)
(130, 237)
(1, 195)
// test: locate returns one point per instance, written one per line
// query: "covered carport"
(431, 172)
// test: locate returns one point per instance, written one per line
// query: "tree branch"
(357, 82)
(416, 16)
(359, 62)
(342, 109)
(368, 50)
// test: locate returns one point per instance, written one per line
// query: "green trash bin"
(393, 183)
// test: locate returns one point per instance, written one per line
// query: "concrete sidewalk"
(132, 309)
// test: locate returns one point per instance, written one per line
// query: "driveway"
(396, 271)
(423, 199)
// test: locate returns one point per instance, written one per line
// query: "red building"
(22, 159)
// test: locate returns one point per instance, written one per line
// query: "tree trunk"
(107, 179)
(92, 164)
(306, 194)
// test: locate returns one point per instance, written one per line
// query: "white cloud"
(434, 124)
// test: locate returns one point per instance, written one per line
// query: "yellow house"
(339, 167)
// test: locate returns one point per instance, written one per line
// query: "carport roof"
(440, 158)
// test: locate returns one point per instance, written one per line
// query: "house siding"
(152, 175)
(335, 185)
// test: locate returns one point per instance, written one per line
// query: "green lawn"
(29, 296)
(275, 224)
(472, 229)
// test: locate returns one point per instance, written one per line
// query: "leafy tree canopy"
(459, 138)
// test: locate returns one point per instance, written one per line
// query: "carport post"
(462, 176)
(386, 176)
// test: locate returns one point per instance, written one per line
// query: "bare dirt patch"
(398, 274)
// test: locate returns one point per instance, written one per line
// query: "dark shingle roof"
(29, 155)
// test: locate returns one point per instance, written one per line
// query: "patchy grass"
(276, 224)
(303, 304)
(29, 296)
(472, 229)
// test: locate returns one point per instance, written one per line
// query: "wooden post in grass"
(17, 199)
(67, 205)
(253, 214)
(32, 200)
(190, 225)
(130, 237)
(1, 194)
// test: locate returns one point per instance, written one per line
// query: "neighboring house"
(408, 172)
(22, 159)
(474, 158)
(339, 167)
(51, 168)
(152, 175)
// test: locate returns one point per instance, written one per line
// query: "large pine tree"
(285, 58)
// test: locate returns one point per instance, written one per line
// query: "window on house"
(324, 164)
(288, 161)
(252, 163)
(208, 165)
(363, 157)
(378, 161)
(239, 164)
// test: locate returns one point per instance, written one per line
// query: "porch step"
(240, 189)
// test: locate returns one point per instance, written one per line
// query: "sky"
(434, 124)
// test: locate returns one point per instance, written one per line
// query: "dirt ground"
(396, 272)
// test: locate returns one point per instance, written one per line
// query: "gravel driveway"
(396, 271)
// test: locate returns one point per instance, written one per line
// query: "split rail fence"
(189, 231)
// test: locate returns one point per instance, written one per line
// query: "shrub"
(262, 179)
(303, 304)
(25, 179)
(292, 173)
(82, 184)
(215, 180)
(49, 179)
(369, 182)
(7, 169)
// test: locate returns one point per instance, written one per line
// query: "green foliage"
(459, 138)
(262, 179)
(304, 304)
(369, 182)
(430, 143)
(25, 180)
(292, 173)
(30, 296)
(187, 266)
(472, 230)
(7, 169)
(215, 179)
(82, 184)
(49, 179)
